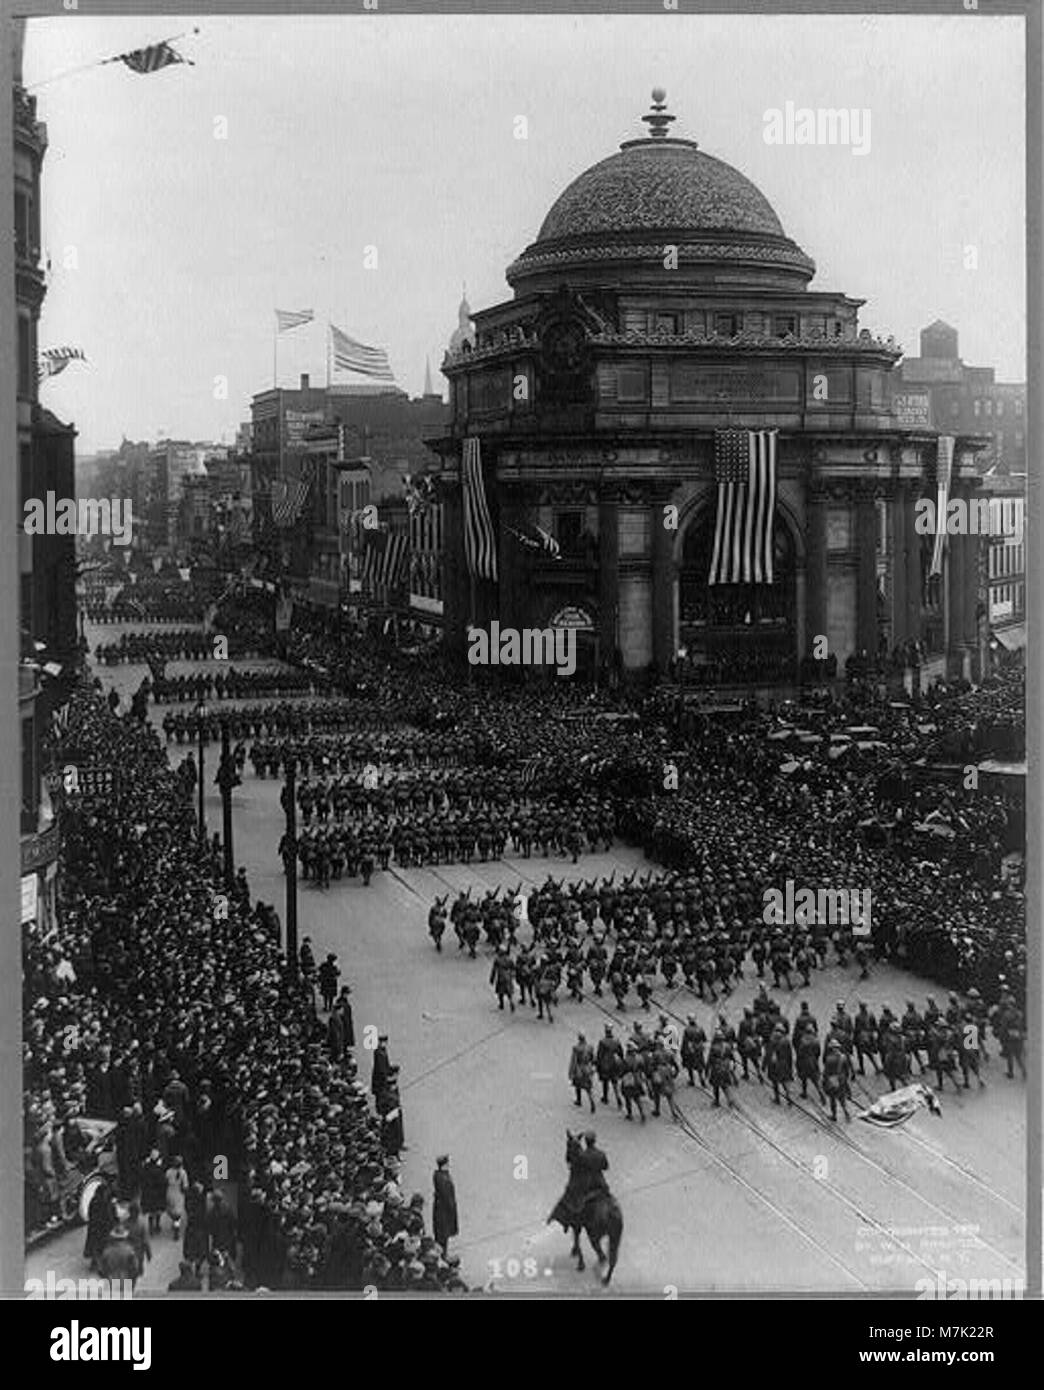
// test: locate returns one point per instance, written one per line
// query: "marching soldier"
(837, 1072)
(749, 1044)
(807, 1044)
(581, 1071)
(693, 1042)
(865, 1037)
(722, 1075)
(631, 1083)
(502, 978)
(780, 1063)
(608, 1064)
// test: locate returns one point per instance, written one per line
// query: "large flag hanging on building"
(292, 318)
(151, 59)
(745, 468)
(480, 544)
(288, 496)
(385, 558)
(351, 356)
(943, 477)
(55, 360)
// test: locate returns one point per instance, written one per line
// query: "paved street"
(756, 1198)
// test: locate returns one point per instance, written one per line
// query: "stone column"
(608, 575)
(897, 539)
(662, 585)
(816, 568)
(866, 581)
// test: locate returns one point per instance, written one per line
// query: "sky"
(171, 248)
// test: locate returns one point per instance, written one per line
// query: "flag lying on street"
(895, 1107)
(351, 356)
(745, 468)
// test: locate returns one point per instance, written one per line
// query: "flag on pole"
(543, 542)
(396, 559)
(151, 59)
(745, 468)
(480, 546)
(292, 318)
(351, 356)
(943, 477)
(53, 361)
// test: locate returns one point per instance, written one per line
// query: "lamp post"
(683, 657)
(201, 714)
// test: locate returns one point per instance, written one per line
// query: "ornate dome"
(658, 191)
(655, 185)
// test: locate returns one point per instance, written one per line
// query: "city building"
(46, 563)
(968, 400)
(660, 303)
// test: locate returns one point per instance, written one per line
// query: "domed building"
(684, 447)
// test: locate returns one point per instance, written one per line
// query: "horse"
(596, 1213)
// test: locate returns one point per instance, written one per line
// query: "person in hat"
(177, 1186)
(101, 1218)
(329, 972)
(381, 1065)
(117, 1259)
(608, 1061)
(837, 1075)
(581, 1071)
(780, 1063)
(444, 1222)
(186, 1281)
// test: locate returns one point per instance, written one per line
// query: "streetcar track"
(827, 1127)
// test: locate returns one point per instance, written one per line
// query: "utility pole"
(290, 866)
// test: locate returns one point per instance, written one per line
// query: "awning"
(1011, 637)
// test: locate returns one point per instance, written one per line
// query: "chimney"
(304, 381)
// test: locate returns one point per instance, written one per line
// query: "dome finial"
(659, 118)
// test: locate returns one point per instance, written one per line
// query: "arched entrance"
(738, 633)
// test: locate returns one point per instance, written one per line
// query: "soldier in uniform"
(502, 978)
(720, 1065)
(780, 1063)
(631, 1083)
(608, 1062)
(807, 1045)
(581, 1071)
(693, 1042)
(749, 1044)
(837, 1073)
(547, 983)
(865, 1038)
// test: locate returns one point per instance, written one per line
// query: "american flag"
(55, 360)
(943, 475)
(292, 318)
(530, 769)
(351, 356)
(151, 59)
(288, 497)
(745, 467)
(385, 558)
(480, 545)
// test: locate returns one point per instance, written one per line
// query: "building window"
(989, 407)
(838, 328)
(1018, 405)
(955, 408)
(727, 325)
(783, 324)
(631, 384)
(977, 406)
(1019, 439)
(665, 323)
(1000, 407)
